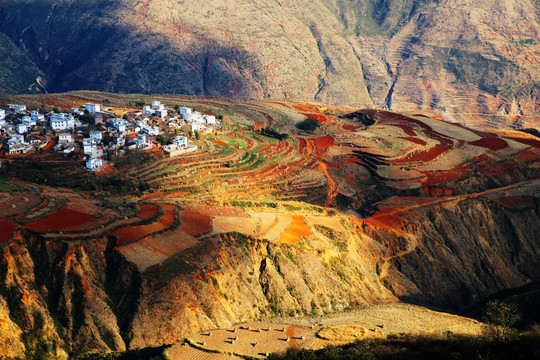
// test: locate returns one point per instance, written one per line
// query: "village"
(93, 133)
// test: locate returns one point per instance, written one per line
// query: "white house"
(185, 110)
(147, 110)
(2, 114)
(16, 138)
(161, 113)
(69, 149)
(64, 138)
(141, 142)
(89, 145)
(157, 105)
(150, 130)
(17, 148)
(210, 119)
(94, 163)
(21, 128)
(96, 135)
(76, 110)
(62, 121)
(119, 140)
(181, 141)
(36, 116)
(196, 126)
(28, 121)
(119, 124)
(93, 108)
(18, 108)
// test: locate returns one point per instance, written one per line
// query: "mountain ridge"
(477, 63)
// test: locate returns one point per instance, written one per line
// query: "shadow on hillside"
(88, 46)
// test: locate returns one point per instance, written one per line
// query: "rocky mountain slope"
(468, 61)
(86, 296)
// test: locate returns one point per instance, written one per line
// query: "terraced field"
(343, 164)
(326, 191)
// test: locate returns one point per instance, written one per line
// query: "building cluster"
(95, 132)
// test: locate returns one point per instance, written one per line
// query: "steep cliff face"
(85, 296)
(466, 250)
(468, 61)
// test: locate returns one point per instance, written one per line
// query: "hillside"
(472, 62)
(372, 207)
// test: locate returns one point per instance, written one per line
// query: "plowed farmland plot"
(64, 219)
(296, 231)
(130, 233)
(195, 222)
(6, 230)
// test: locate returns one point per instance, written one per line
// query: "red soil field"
(490, 143)
(528, 155)
(350, 127)
(6, 230)
(195, 222)
(319, 117)
(151, 195)
(131, 233)
(425, 156)
(220, 143)
(518, 202)
(63, 219)
(301, 145)
(387, 219)
(408, 130)
(322, 144)
(414, 140)
(441, 177)
(295, 232)
(147, 211)
(531, 142)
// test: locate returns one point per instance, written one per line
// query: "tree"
(197, 135)
(309, 124)
(501, 318)
(125, 117)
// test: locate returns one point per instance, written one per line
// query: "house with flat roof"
(94, 163)
(37, 116)
(17, 108)
(62, 121)
(93, 108)
(119, 124)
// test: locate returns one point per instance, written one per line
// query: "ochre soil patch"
(63, 219)
(322, 144)
(6, 230)
(295, 232)
(195, 222)
(131, 233)
(490, 143)
(178, 194)
(148, 211)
